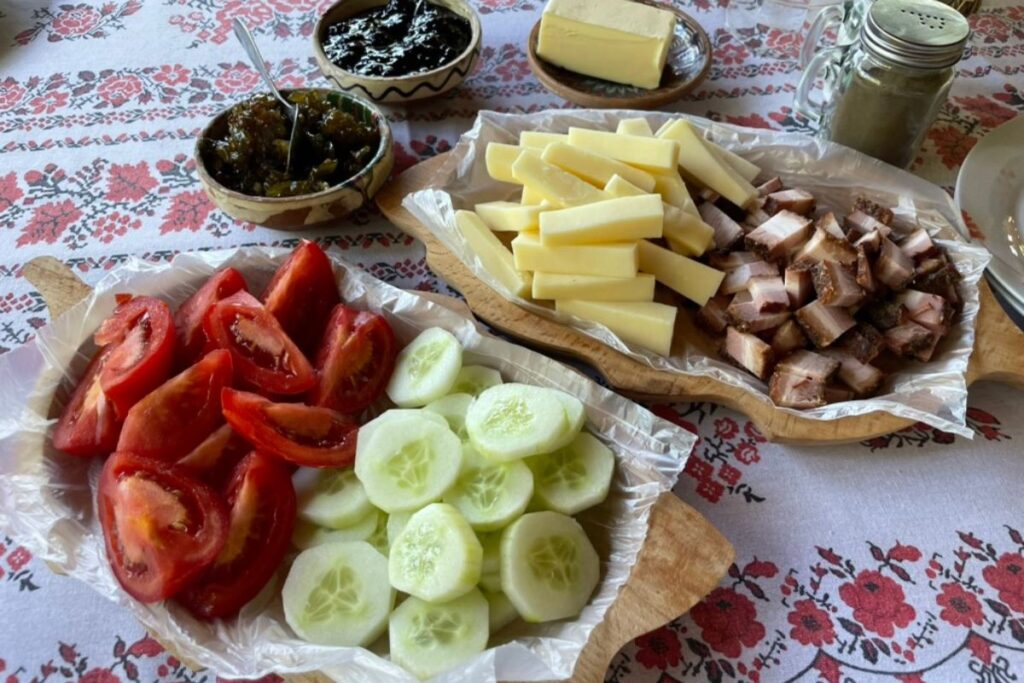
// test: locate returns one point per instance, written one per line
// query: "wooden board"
(997, 348)
(682, 560)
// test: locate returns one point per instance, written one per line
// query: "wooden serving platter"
(998, 347)
(683, 558)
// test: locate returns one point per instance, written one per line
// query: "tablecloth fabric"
(897, 559)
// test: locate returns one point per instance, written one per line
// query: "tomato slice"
(141, 334)
(266, 359)
(302, 294)
(175, 418)
(188, 321)
(161, 527)
(303, 435)
(213, 460)
(355, 360)
(262, 503)
(88, 426)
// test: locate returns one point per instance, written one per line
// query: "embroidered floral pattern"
(76, 22)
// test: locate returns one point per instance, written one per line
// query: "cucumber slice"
(501, 612)
(491, 544)
(330, 497)
(491, 494)
(437, 556)
(473, 379)
(425, 369)
(392, 419)
(575, 415)
(338, 594)
(308, 535)
(409, 463)
(512, 421)
(575, 477)
(452, 408)
(396, 522)
(491, 582)
(428, 638)
(549, 569)
(379, 538)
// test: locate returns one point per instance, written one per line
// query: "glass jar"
(882, 94)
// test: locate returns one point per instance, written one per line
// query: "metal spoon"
(249, 45)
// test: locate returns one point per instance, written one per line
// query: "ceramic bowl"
(302, 211)
(397, 89)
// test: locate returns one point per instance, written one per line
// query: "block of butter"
(645, 324)
(510, 217)
(624, 219)
(493, 255)
(593, 287)
(617, 259)
(617, 40)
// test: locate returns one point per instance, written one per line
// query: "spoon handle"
(246, 39)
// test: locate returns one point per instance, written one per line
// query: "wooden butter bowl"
(397, 89)
(306, 210)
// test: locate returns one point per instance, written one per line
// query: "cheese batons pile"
(603, 217)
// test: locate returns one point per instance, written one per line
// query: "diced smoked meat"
(834, 394)
(836, 286)
(769, 186)
(797, 201)
(727, 231)
(864, 342)
(829, 224)
(874, 210)
(744, 316)
(799, 380)
(941, 282)
(886, 314)
(788, 337)
(799, 284)
(911, 340)
(778, 236)
(893, 268)
(824, 324)
(859, 223)
(712, 315)
(918, 245)
(754, 219)
(809, 364)
(748, 352)
(769, 294)
(738, 279)
(930, 310)
(733, 259)
(870, 242)
(824, 247)
(865, 278)
(862, 378)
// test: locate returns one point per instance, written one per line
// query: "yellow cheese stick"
(649, 325)
(625, 219)
(509, 216)
(701, 164)
(686, 234)
(499, 158)
(557, 187)
(748, 169)
(596, 169)
(536, 139)
(492, 254)
(694, 280)
(635, 127)
(593, 287)
(530, 197)
(672, 189)
(650, 154)
(612, 260)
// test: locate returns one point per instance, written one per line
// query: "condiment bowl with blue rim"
(397, 89)
(305, 210)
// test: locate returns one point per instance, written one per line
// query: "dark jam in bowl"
(402, 38)
(249, 154)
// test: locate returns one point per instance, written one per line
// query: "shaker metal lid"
(915, 33)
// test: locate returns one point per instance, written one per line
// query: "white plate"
(990, 189)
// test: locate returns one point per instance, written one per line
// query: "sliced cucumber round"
(501, 612)
(575, 415)
(426, 369)
(491, 581)
(549, 568)
(338, 594)
(379, 538)
(428, 638)
(408, 463)
(512, 421)
(392, 419)
(437, 556)
(473, 379)
(574, 477)
(396, 522)
(330, 497)
(308, 535)
(491, 494)
(491, 544)
(452, 408)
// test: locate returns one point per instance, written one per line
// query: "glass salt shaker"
(882, 93)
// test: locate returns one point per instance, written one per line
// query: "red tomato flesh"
(161, 528)
(303, 435)
(302, 294)
(140, 333)
(355, 360)
(188, 321)
(213, 460)
(262, 517)
(88, 425)
(175, 418)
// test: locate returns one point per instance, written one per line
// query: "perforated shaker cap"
(923, 34)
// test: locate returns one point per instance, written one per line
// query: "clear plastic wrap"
(933, 392)
(46, 497)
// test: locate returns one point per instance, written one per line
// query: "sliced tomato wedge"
(302, 294)
(188, 321)
(355, 360)
(140, 333)
(266, 359)
(161, 527)
(88, 426)
(213, 460)
(262, 503)
(303, 435)
(175, 418)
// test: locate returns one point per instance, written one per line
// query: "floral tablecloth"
(900, 558)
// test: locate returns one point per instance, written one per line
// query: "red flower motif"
(711, 490)
(237, 79)
(760, 569)
(129, 182)
(698, 469)
(747, 453)
(114, 225)
(981, 416)
(48, 222)
(939, 436)
(146, 647)
(729, 474)
(989, 113)
(117, 90)
(99, 676)
(513, 69)
(828, 668)
(659, 649)
(979, 648)
(9, 191)
(188, 211)
(951, 144)
(726, 428)
(731, 53)
(728, 622)
(784, 44)
(811, 624)
(19, 558)
(76, 21)
(904, 553)
(253, 12)
(959, 607)
(994, 29)
(172, 75)
(878, 603)
(10, 93)
(48, 102)
(67, 653)
(1007, 576)
(751, 430)
(287, 6)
